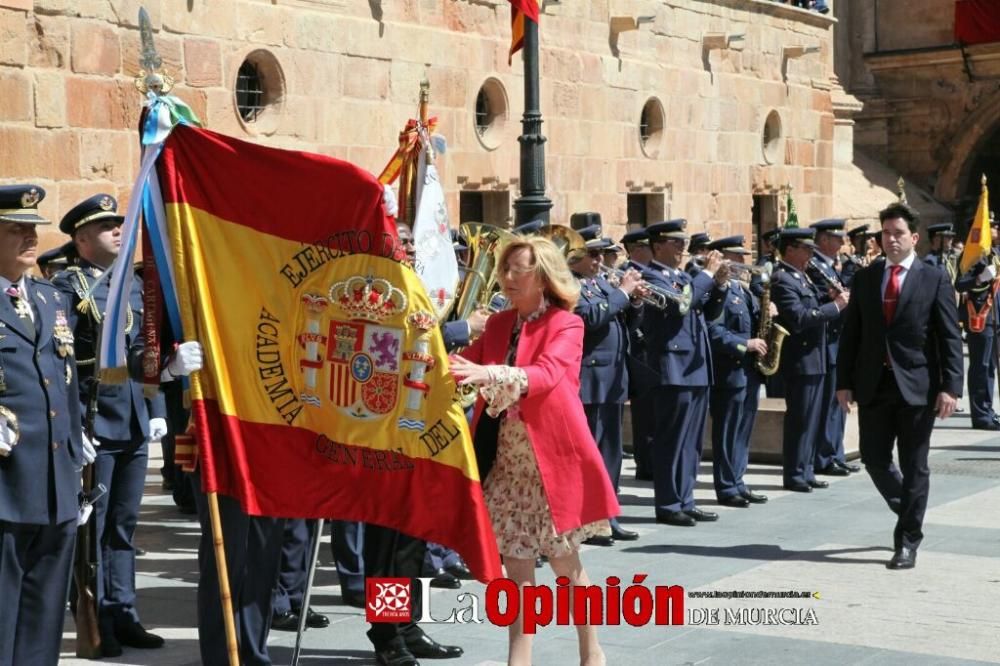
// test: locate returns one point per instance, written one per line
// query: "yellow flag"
(980, 240)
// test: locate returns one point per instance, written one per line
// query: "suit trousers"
(253, 553)
(680, 426)
(744, 433)
(728, 451)
(347, 542)
(293, 572)
(121, 468)
(886, 421)
(605, 421)
(439, 557)
(392, 554)
(803, 426)
(830, 447)
(982, 373)
(35, 566)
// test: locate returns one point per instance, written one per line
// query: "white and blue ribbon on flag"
(165, 113)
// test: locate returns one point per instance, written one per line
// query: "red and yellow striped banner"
(325, 392)
(520, 10)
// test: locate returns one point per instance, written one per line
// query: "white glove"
(988, 274)
(389, 201)
(187, 359)
(7, 437)
(89, 448)
(157, 429)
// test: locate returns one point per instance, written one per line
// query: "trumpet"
(745, 269)
(655, 295)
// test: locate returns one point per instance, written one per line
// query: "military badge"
(9, 431)
(69, 374)
(63, 335)
(30, 198)
(106, 203)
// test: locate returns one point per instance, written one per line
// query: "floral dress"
(515, 496)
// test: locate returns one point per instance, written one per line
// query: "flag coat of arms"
(325, 392)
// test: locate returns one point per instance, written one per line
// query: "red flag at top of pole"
(520, 10)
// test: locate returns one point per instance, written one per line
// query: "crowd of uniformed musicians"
(683, 329)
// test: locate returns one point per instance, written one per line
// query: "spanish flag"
(326, 391)
(979, 241)
(520, 10)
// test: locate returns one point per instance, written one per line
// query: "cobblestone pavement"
(832, 542)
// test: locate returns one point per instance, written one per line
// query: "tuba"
(772, 333)
(566, 239)
(480, 286)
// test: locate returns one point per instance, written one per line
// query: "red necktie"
(891, 294)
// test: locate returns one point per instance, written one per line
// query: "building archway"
(974, 150)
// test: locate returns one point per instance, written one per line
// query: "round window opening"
(259, 92)
(491, 113)
(651, 121)
(771, 140)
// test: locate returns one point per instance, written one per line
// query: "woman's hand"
(467, 372)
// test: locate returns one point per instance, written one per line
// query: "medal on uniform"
(69, 374)
(63, 335)
(8, 425)
(22, 308)
(3, 378)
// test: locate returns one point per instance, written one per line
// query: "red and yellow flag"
(979, 242)
(520, 10)
(326, 392)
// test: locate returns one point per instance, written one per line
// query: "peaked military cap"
(19, 204)
(833, 226)
(799, 235)
(667, 230)
(95, 209)
(592, 237)
(861, 229)
(733, 244)
(64, 255)
(529, 228)
(639, 236)
(771, 235)
(578, 221)
(943, 229)
(699, 240)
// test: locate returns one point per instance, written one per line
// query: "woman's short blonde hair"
(560, 287)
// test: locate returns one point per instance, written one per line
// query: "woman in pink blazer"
(547, 491)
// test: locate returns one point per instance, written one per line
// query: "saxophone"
(772, 333)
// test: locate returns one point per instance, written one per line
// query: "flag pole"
(232, 647)
(311, 573)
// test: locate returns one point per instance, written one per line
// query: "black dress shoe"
(445, 580)
(736, 501)
(425, 647)
(539, 563)
(816, 483)
(394, 653)
(599, 540)
(850, 467)
(904, 558)
(989, 425)
(702, 516)
(110, 647)
(135, 635)
(287, 621)
(619, 533)
(799, 487)
(643, 475)
(316, 620)
(459, 571)
(833, 470)
(678, 518)
(355, 599)
(754, 498)
(139, 552)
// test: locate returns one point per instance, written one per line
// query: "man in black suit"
(901, 360)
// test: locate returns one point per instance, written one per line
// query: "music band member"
(941, 255)
(853, 258)
(608, 313)
(679, 349)
(804, 362)
(734, 393)
(901, 361)
(697, 247)
(642, 376)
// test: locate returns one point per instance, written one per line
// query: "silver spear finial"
(150, 78)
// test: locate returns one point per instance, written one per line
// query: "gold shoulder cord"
(88, 307)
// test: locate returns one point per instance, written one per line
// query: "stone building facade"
(704, 109)
(931, 105)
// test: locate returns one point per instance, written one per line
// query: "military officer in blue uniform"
(123, 423)
(697, 248)
(853, 258)
(293, 577)
(941, 237)
(824, 270)
(608, 313)
(980, 318)
(733, 397)
(804, 356)
(679, 350)
(643, 377)
(57, 259)
(41, 442)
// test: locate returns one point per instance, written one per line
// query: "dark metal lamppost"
(532, 204)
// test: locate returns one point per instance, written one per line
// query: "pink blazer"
(549, 351)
